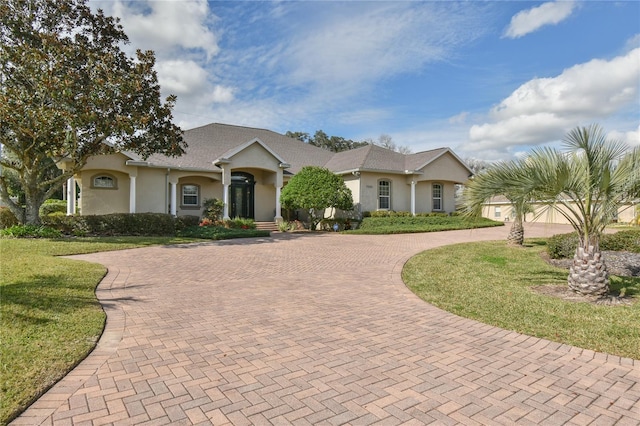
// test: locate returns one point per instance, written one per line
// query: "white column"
(225, 198)
(174, 198)
(71, 196)
(278, 217)
(132, 194)
(413, 198)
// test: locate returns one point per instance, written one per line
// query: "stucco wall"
(445, 168)
(545, 215)
(252, 156)
(103, 200)
(151, 196)
(400, 191)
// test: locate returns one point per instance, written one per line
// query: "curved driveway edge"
(309, 329)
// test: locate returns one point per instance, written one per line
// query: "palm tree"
(500, 179)
(587, 184)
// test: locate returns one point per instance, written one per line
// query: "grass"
(409, 224)
(50, 318)
(480, 280)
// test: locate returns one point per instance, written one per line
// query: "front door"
(241, 196)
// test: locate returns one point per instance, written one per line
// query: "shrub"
(52, 206)
(285, 226)
(69, 225)
(622, 241)
(182, 222)
(116, 224)
(30, 231)
(239, 223)
(213, 208)
(142, 224)
(564, 245)
(7, 218)
(344, 224)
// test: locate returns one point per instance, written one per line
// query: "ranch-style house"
(247, 169)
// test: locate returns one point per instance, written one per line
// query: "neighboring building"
(499, 208)
(247, 168)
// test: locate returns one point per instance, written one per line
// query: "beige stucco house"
(247, 169)
(500, 209)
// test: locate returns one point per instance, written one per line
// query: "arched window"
(104, 181)
(190, 195)
(436, 195)
(384, 195)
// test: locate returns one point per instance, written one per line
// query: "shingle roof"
(213, 141)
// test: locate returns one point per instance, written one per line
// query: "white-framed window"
(103, 181)
(190, 195)
(436, 196)
(384, 195)
(498, 213)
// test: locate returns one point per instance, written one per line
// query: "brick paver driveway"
(318, 329)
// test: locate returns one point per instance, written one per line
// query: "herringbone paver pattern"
(318, 329)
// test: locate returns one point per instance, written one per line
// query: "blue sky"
(489, 79)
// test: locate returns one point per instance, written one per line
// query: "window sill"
(190, 207)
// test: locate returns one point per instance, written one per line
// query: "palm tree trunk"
(588, 274)
(516, 233)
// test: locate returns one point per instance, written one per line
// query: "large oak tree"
(68, 91)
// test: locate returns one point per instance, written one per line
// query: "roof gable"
(231, 153)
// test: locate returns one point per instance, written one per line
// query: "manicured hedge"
(564, 245)
(409, 224)
(138, 224)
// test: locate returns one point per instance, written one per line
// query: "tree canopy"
(339, 144)
(68, 92)
(315, 189)
(324, 141)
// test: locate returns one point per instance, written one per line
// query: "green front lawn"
(492, 283)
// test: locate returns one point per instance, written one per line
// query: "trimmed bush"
(7, 218)
(116, 224)
(183, 222)
(622, 241)
(239, 223)
(431, 223)
(52, 206)
(563, 246)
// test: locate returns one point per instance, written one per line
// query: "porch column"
(226, 182)
(413, 198)
(174, 198)
(278, 217)
(132, 194)
(71, 196)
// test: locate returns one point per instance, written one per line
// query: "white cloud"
(530, 20)
(631, 138)
(181, 77)
(459, 119)
(165, 25)
(543, 109)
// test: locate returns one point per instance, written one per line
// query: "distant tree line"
(339, 144)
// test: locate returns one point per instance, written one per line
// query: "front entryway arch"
(242, 195)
